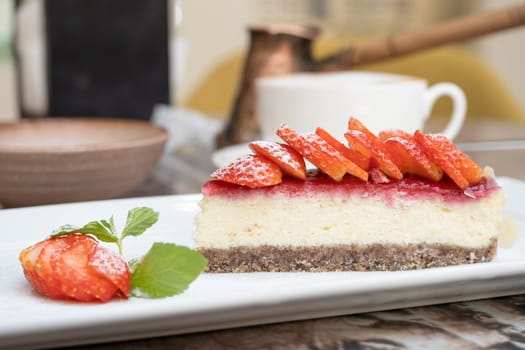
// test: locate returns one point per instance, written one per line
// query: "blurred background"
(189, 53)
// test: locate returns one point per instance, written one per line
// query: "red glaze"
(410, 187)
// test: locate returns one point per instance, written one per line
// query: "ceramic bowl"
(58, 160)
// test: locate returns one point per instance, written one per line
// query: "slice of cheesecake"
(323, 225)
(396, 214)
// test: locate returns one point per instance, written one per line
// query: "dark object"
(107, 58)
(284, 49)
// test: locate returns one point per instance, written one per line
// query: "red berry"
(288, 159)
(250, 170)
(460, 168)
(71, 267)
(371, 146)
(312, 151)
(410, 158)
(353, 155)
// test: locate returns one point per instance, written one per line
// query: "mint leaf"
(167, 269)
(99, 229)
(64, 230)
(110, 225)
(139, 219)
(133, 263)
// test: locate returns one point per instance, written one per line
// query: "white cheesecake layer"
(332, 220)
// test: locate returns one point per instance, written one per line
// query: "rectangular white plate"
(216, 301)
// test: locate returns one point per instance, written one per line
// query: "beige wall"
(505, 52)
(8, 104)
(211, 30)
(8, 109)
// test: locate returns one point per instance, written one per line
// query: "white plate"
(226, 155)
(216, 301)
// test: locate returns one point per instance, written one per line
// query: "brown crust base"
(375, 257)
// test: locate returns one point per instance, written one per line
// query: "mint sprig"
(167, 269)
(138, 221)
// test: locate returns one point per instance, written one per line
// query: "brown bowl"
(57, 160)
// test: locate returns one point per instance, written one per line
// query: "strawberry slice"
(45, 265)
(29, 260)
(355, 124)
(354, 156)
(350, 167)
(77, 280)
(410, 158)
(109, 265)
(386, 134)
(288, 159)
(460, 168)
(250, 170)
(378, 177)
(370, 146)
(313, 151)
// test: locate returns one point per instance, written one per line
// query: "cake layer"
(336, 218)
(350, 257)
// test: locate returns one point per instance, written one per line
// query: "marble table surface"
(483, 324)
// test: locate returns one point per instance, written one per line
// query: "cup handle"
(459, 106)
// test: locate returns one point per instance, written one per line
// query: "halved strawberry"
(369, 145)
(460, 168)
(313, 152)
(353, 155)
(410, 158)
(70, 267)
(250, 170)
(350, 167)
(288, 159)
(77, 280)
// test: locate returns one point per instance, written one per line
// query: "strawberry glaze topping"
(410, 187)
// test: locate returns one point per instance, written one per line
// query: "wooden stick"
(459, 29)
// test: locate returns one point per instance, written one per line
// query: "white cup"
(381, 101)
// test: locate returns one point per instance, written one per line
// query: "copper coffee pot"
(277, 50)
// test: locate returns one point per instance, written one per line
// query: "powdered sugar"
(279, 151)
(322, 144)
(250, 170)
(108, 262)
(407, 144)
